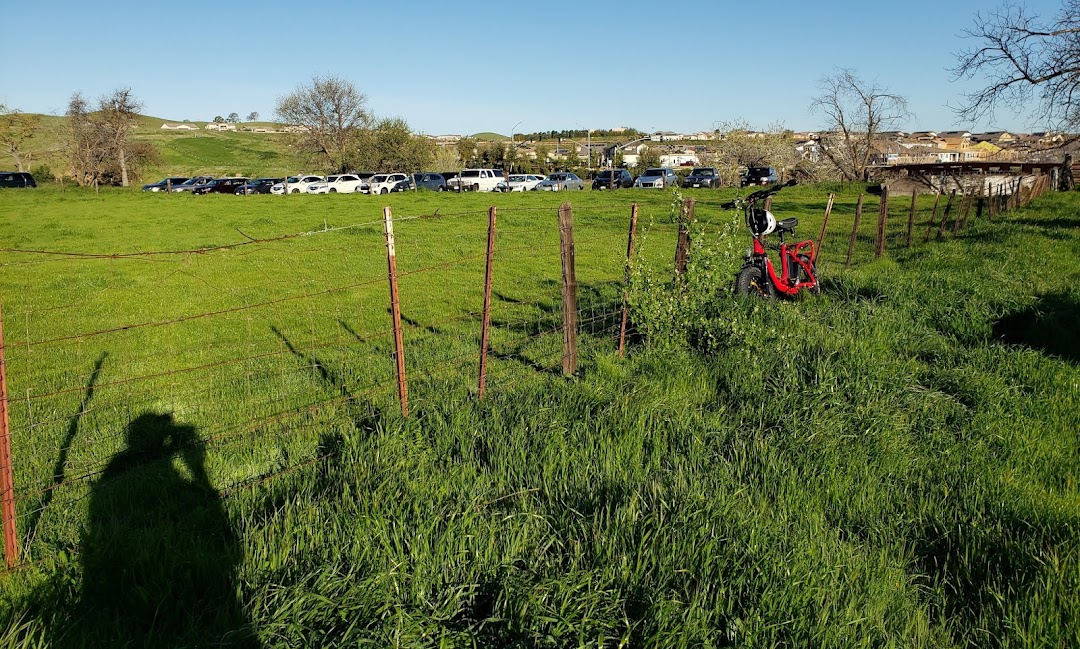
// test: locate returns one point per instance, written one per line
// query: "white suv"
(345, 184)
(296, 184)
(385, 183)
(478, 180)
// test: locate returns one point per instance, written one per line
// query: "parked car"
(759, 176)
(657, 178)
(220, 186)
(257, 186)
(559, 181)
(384, 183)
(702, 177)
(16, 179)
(339, 184)
(478, 180)
(430, 182)
(524, 182)
(613, 179)
(191, 183)
(295, 184)
(164, 184)
(403, 185)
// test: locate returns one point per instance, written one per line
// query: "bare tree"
(16, 128)
(99, 146)
(331, 112)
(855, 113)
(738, 146)
(117, 116)
(85, 150)
(1024, 57)
(253, 116)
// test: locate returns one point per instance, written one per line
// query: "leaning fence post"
(395, 309)
(945, 214)
(854, 232)
(824, 223)
(882, 221)
(933, 217)
(961, 214)
(7, 477)
(569, 289)
(911, 219)
(626, 276)
(486, 326)
(682, 247)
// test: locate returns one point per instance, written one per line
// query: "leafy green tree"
(253, 116)
(233, 118)
(466, 149)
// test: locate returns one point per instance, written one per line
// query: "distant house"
(179, 127)
(220, 126)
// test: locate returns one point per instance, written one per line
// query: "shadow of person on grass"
(158, 552)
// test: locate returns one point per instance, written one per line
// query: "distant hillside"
(180, 152)
(489, 137)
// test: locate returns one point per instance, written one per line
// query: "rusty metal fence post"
(395, 309)
(626, 276)
(854, 232)
(569, 289)
(824, 224)
(911, 219)
(933, 217)
(7, 476)
(945, 214)
(486, 327)
(882, 221)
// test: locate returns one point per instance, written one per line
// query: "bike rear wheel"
(803, 277)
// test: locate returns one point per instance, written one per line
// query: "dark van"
(16, 179)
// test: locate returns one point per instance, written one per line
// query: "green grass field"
(208, 449)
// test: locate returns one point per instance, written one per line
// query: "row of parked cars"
(479, 180)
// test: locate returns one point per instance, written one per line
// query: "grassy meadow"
(208, 449)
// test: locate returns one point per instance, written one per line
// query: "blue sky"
(449, 67)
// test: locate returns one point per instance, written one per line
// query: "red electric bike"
(758, 275)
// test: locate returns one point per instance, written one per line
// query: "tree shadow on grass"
(158, 553)
(1051, 325)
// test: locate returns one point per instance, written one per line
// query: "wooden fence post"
(682, 247)
(911, 219)
(395, 309)
(945, 214)
(626, 276)
(486, 326)
(961, 214)
(569, 289)
(933, 217)
(7, 476)
(882, 221)
(824, 223)
(854, 232)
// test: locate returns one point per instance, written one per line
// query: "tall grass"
(890, 464)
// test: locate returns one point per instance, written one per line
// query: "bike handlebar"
(758, 195)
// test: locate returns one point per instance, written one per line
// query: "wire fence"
(252, 353)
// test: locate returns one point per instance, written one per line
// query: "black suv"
(613, 179)
(702, 177)
(16, 179)
(760, 176)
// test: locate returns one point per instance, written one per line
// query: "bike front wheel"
(752, 281)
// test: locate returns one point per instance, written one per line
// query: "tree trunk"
(123, 168)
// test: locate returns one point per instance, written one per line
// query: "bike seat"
(787, 225)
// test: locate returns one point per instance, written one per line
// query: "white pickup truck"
(478, 180)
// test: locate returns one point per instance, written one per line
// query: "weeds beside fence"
(230, 365)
